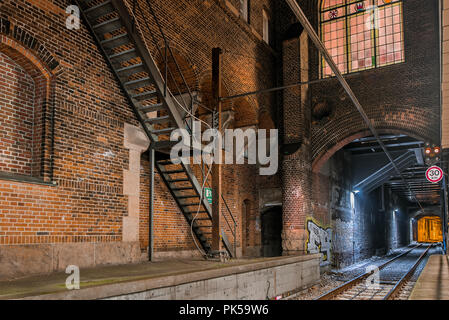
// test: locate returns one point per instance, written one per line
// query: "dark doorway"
(271, 232)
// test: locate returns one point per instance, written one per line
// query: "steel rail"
(349, 284)
(398, 286)
(320, 46)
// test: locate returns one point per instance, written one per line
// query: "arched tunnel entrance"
(366, 206)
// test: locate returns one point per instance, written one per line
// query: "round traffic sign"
(434, 174)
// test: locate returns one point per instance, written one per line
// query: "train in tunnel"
(429, 229)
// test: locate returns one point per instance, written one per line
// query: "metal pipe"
(320, 46)
(275, 89)
(151, 206)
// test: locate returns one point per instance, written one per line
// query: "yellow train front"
(430, 230)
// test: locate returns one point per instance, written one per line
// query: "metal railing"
(169, 75)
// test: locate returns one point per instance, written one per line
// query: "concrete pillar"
(296, 169)
(136, 142)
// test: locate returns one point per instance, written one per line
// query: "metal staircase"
(114, 29)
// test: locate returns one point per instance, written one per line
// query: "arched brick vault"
(326, 154)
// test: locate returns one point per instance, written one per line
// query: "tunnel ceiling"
(372, 168)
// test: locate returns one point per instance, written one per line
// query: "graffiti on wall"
(319, 240)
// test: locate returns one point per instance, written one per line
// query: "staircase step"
(165, 162)
(162, 119)
(145, 95)
(201, 227)
(163, 131)
(182, 188)
(126, 72)
(152, 108)
(87, 2)
(108, 26)
(194, 212)
(123, 56)
(188, 196)
(115, 42)
(189, 204)
(177, 180)
(100, 10)
(139, 83)
(177, 171)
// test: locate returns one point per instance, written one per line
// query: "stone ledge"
(124, 288)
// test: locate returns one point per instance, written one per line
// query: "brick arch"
(17, 37)
(245, 114)
(176, 58)
(324, 156)
(42, 77)
(205, 93)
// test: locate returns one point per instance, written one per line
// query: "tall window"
(361, 35)
(266, 27)
(244, 10)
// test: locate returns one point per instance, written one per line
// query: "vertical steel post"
(216, 167)
(151, 206)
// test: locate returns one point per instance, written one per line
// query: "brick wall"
(400, 99)
(403, 97)
(84, 112)
(16, 117)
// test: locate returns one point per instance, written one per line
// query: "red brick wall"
(86, 156)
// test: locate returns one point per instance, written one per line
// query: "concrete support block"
(24, 260)
(137, 142)
(19, 260)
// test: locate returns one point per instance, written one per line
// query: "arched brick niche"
(320, 159)
(26, 109)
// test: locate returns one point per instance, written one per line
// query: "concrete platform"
(177, 279)
(433, 283)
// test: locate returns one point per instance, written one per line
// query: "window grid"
(360, 38)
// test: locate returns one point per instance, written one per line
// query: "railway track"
(386, 288)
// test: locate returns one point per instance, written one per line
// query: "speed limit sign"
(434, 174)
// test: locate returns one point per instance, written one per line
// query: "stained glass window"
(361, 35)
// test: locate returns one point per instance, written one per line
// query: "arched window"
(361, 35)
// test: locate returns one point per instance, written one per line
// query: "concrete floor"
(90, 277)
(433, 283)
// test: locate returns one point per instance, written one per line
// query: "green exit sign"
(208, 194)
